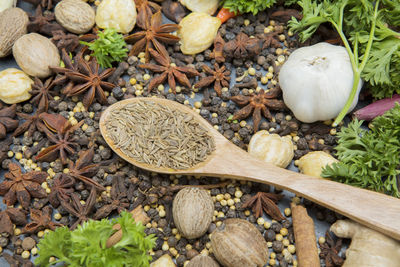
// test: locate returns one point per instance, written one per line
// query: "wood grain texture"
(375, 210)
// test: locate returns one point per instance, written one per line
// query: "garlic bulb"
(271, 148)
(197, 32)
(313, 162)
(316, 82)
(206, 6)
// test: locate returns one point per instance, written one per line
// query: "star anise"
(153, 35)
(41, 219)
(242, 46)
(10, 216)
(87, 80)
(44, 24)
(168, 71)
(61, 190)
(81, 212)
(266, 202)
(68, 41)
(31, 123)
(118, 200)
(22, 186)
(218, 52)
(82, 169)
(330, 251)
(48, 4)
(62, 140)
(145, 10)
(42, 93)
(270, 40)
(220, 77)
(70, 66)
(258, 103)
(7, 123)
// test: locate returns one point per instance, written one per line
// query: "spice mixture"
(65, 174)
(158, 135)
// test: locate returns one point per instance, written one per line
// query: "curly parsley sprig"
(86, 245)
(109, 47)
(369, 158)
(247, 6)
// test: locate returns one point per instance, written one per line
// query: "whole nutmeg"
(75, 15)
(202, 260)
(192, 210)
(238, 243)
(13, 24)
(35, 53)
(272, 148)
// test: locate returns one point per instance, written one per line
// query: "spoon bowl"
(375, 210)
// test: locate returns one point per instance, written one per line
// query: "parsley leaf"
(369, 159)
(86, 245)
(109, 47)
(247, 6)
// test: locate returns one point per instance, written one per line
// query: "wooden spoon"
(375, 210)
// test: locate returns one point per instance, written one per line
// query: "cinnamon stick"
(304, 235)
(138, 214)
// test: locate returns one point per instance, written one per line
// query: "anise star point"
(258, 103)
(168, 71)
(41, 219)
(7, 122)
(41, 93)
(10, 216)
(88, 80)
(219, 76)
(266, 202)
(330, 251)
(79, 210)
(154, 34)
(20, 187)
(82, 169)
(63, 142)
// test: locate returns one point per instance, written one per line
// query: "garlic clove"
(197, 32)
(118, 14)
(313, 162)
(316, 82)
(14, 86)
(272, 148)
(206, 6)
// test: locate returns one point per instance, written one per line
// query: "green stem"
(357, 69)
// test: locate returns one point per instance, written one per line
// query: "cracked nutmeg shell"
(192, 210)
(238, 243)
(202, 260)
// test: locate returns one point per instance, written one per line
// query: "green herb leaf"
(247, 6)
(86, 245)
(108, 48)
(369, 159)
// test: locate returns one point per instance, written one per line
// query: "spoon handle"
(375, 210)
